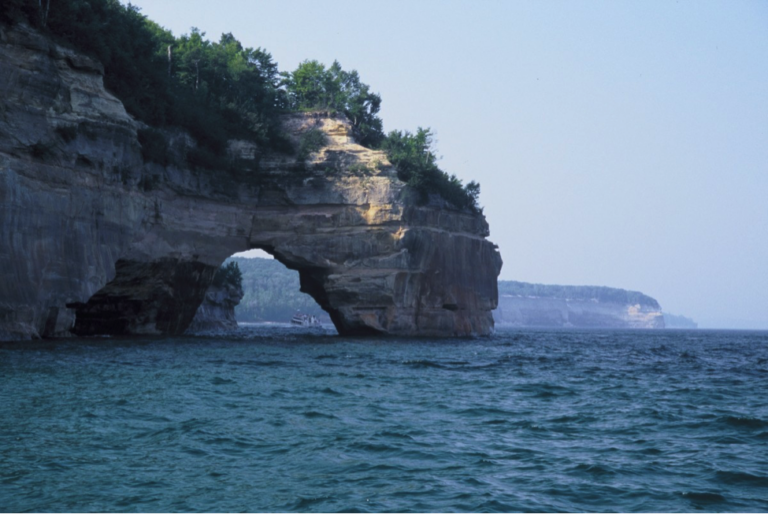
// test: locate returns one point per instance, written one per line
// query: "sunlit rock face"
(93, 240)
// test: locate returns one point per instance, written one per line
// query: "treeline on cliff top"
(218, 91)
(583, 293)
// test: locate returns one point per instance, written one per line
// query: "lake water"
(280, 419)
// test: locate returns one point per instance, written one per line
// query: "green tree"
(416, 163)
(312, 86)
(229, 274)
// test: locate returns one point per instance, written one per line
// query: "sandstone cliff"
(536, 305)
(96, 241)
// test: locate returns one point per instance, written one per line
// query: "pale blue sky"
(616, 143)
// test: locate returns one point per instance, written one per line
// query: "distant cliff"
(538, 305)
(675, 321)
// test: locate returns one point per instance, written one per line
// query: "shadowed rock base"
(145, 298)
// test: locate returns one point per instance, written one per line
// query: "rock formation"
(217, 312)
(95, 240)
(536, 305)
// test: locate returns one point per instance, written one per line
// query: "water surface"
(276, 419)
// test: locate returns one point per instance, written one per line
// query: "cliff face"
(97, 241)
(575, 307)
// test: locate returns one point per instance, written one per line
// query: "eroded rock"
(217, 312)
(95, 240)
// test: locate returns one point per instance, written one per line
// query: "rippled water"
(270, 419)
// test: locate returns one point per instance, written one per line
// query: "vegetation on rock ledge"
(416, 165)
(218, 91)
(228, 275)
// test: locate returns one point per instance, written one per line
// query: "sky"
(617, 143)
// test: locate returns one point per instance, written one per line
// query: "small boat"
(304, 320)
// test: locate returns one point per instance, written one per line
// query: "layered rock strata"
(93, 240)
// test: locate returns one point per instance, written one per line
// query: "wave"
(744, 421)
(703, 498)
(312, 414)
(485, 411)
(423, 363)
(597, 470)
(741, 478)
(547, 423)
(394, 435)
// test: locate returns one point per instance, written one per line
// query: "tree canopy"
(312, 86)
(414, 157)
(228, 274)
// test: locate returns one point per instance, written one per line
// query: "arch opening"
(275, 293)
(155, 297)
(173, 296)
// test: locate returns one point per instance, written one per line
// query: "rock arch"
(389, 277)
(94, 239)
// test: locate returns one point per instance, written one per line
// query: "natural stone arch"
(92, 231)
(388, 278)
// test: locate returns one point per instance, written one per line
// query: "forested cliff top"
(583, 293)
(218, 91)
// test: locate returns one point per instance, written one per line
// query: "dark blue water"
(273, 420)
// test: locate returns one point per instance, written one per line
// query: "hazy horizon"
(619, 144)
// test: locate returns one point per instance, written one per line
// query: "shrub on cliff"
(229, 274)
(154, 146)
(416, 163)
(312, 86)
(311, 141)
